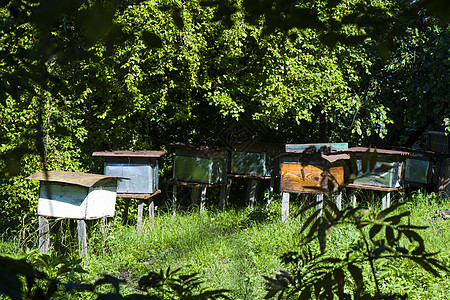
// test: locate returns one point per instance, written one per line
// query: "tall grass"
(234, 248)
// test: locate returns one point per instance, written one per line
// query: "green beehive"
(200, 164)
(390, 178)
(254, 159)
(248, 163)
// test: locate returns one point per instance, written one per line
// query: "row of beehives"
(136, 173)
(301, 165)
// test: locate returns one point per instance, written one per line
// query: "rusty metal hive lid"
(143, 153)
(76, 178)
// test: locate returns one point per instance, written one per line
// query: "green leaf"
(177, 19)
(390, 235)
(426, 266)
(365, 161)
(374, 230)
(383, 168)
(309, 220)
(357, 277)
(394, 220)
(10, 284)
(388, 210)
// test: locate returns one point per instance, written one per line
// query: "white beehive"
(76, 195)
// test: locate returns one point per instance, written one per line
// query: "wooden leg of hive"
(203, 199)
(339, 200)
(272, 184)
(82, 238)
(319, 206)
(139, 216)
(125, 213)
(151, 212)
(195, 195)
(386, 200)
(174, 198)
(225, 194)
(44, 234)
(353, 198)
(284, 206)
(251, 192)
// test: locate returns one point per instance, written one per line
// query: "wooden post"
(44, 234)
(139, 216)
(353, 197)
(225, 194)
(251, 191)
(319, 198)
(151, 212)
(174, 198)
(82, 239)
(284, 206)
(272, 184)
(339, 200)
(203, 199)
(386, 200)
(104, 226)
(125, 213)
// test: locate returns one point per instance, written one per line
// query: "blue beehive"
(141, 167)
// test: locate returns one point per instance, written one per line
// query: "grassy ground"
(234, 248)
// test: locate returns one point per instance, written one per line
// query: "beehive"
(253, 160)
(75, 195)
(305, 167)
(388, 179)
(300, 177)
(200, 164)
(141, 167)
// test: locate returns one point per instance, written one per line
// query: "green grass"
(235, 248)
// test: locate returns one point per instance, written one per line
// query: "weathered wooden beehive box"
(253, 160)
(200, 164)
(75, 195)
(302, 171)
(141, 167)
(389, 179)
